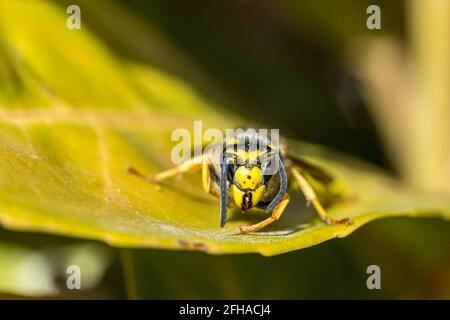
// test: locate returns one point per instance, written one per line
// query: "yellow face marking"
(257, 195)
(248, 178)
(247, 199)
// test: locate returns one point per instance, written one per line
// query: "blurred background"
(314, 70)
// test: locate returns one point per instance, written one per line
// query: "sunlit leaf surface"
(73, 115)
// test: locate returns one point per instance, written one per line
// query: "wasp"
(249, 172)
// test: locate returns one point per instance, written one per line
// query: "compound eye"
(230, 171)
(269, 167)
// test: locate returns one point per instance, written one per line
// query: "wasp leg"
(276, 214)
(187, 166)
(206, 176)
(311, 197)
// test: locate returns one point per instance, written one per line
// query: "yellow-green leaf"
(73, 115)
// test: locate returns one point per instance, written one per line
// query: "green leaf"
(73, 115)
